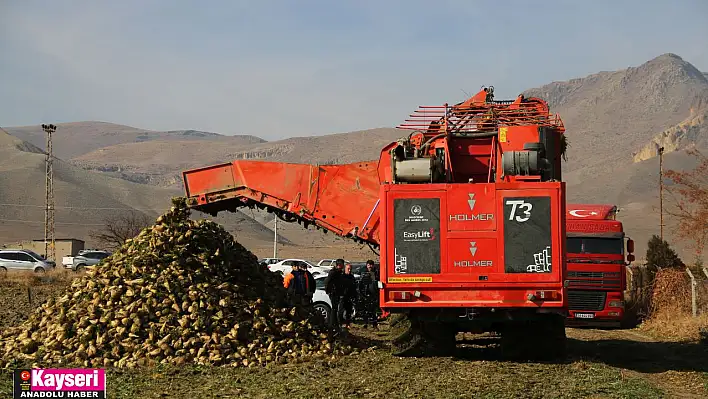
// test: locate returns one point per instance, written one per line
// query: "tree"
(690, 191)
(660, 255)
(119, 228)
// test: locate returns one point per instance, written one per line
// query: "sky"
(278, 69)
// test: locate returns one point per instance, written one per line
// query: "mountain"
(161, 161)
(614, 114)
(83, 200)
(615, 123)
(77, 138)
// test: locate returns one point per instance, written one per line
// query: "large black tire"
(554, 347)
(325, 311)
(543, 339)
(411, 337)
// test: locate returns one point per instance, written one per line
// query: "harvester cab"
(467, 210)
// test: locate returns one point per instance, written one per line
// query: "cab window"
(595, 245)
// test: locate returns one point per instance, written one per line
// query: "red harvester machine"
(468, 212)
(597, 264)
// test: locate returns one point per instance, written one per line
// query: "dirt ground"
(601, 364)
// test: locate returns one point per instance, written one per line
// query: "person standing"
(333, 288)
(348, 296)
(297, 285)
(289, 277)
(368, 289)
(311, 286)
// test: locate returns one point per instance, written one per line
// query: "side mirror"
(630, 246)
(630, 258)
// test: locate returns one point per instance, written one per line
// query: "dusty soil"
(601, 364)
(20, 294)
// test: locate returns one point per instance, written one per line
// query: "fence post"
(694, 302)
(630, 296)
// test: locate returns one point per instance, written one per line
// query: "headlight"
(616, 304)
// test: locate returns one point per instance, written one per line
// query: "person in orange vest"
(298, 285)
(289, 277)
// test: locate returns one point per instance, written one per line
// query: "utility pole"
(661, 192)
(275, 238)
(49, 244)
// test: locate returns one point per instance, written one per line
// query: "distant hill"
(83, 199)
(615, 122)
(611, 115)
(161, 162)
(78, 138)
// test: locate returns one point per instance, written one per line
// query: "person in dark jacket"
(298, 286)
(368, 291)
(334, 289)
(347, 296)
(311, 286)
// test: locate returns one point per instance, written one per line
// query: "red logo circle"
(25, 375)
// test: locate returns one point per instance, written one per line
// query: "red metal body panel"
(461, 286)
(465, 146)
(339, 198)
(602, 274)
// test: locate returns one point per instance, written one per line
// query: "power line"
(80, 207)
(49, 242)
(41, 222)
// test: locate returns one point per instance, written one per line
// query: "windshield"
(595, 245)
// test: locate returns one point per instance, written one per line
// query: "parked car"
(269, 261)
(328, 263)
(285, 266)
(358, 268)
(88, 259)
(67, 262)
(24, 260)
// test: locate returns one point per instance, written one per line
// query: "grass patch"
(380, 375)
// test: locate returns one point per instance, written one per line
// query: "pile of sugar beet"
(181, 292)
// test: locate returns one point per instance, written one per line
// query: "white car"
(285, 266)
(269, 261)
(321, 301)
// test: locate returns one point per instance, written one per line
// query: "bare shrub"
(119, 228)
(670, 310)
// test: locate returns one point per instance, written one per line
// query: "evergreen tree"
(660, 255)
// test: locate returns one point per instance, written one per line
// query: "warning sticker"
(410, 279)
(502, 134)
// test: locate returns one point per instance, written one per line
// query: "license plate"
(585, 315)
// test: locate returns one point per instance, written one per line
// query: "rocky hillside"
(160, 161)
(83, 199)
(78, 138)
(611, 116)
(615, 123)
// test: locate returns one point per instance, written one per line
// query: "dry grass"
(671, 310)
(602, 364)
(22, 292)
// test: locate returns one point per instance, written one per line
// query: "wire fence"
(685, 290)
